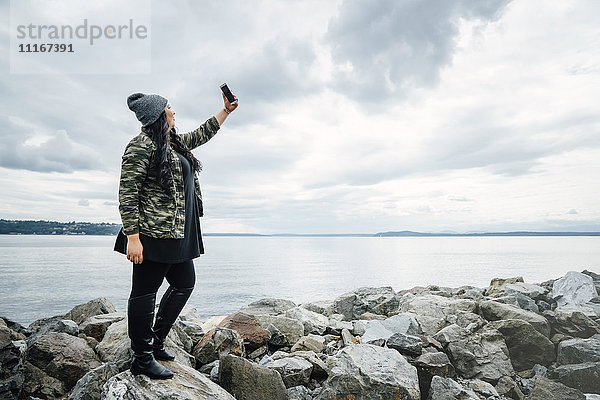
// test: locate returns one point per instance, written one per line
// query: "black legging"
(149, 275)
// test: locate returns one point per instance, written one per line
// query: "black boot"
(140, 313)
(171, 305)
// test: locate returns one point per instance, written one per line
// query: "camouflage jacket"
(143, 204)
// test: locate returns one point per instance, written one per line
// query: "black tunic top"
(177, 250)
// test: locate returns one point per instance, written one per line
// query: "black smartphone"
(227, 92)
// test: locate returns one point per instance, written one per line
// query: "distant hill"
(41, 227)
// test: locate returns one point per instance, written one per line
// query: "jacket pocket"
(157, 213)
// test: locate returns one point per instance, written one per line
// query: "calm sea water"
(42, 276)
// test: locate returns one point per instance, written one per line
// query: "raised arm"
(200, 135)
(207, 130)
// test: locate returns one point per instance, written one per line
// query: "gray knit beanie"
(147, 107)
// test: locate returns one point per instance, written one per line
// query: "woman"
(160, 204)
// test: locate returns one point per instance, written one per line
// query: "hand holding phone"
(228, 93)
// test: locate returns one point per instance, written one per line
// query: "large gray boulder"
(187, 383)
(574, 288)
(89, 387)
(62, 356)
(268, 306)
(378, 331)
(408, 345)
(450, 333)
(582, 376)
(546, 389)
(249, 328)
(324, 307)
(291, 329)
(448, 389)
(249, 381)
(519, 300)
(574, 320)
(482, 355)
(494, 311)
(216, 343)
(293, 370)
(371, 372)
(97, 306)
(310, 342)
(353, 304)
(313, 322)
(535, 292)
(434, 312)
(40, 384)
(437, 306)
(577, 350)
(526, 346)
(319, 368)
(96, 325)
(45, 326)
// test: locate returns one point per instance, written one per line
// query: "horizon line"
(416, 233)
(398, 233)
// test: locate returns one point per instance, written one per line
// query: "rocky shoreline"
(511, 340)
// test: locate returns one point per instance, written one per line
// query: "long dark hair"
(163, 137)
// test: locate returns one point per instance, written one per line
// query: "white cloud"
(35, 149)
(389, 47)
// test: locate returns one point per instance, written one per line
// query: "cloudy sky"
(354, 117)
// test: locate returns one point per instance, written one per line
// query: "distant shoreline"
(54, 228)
